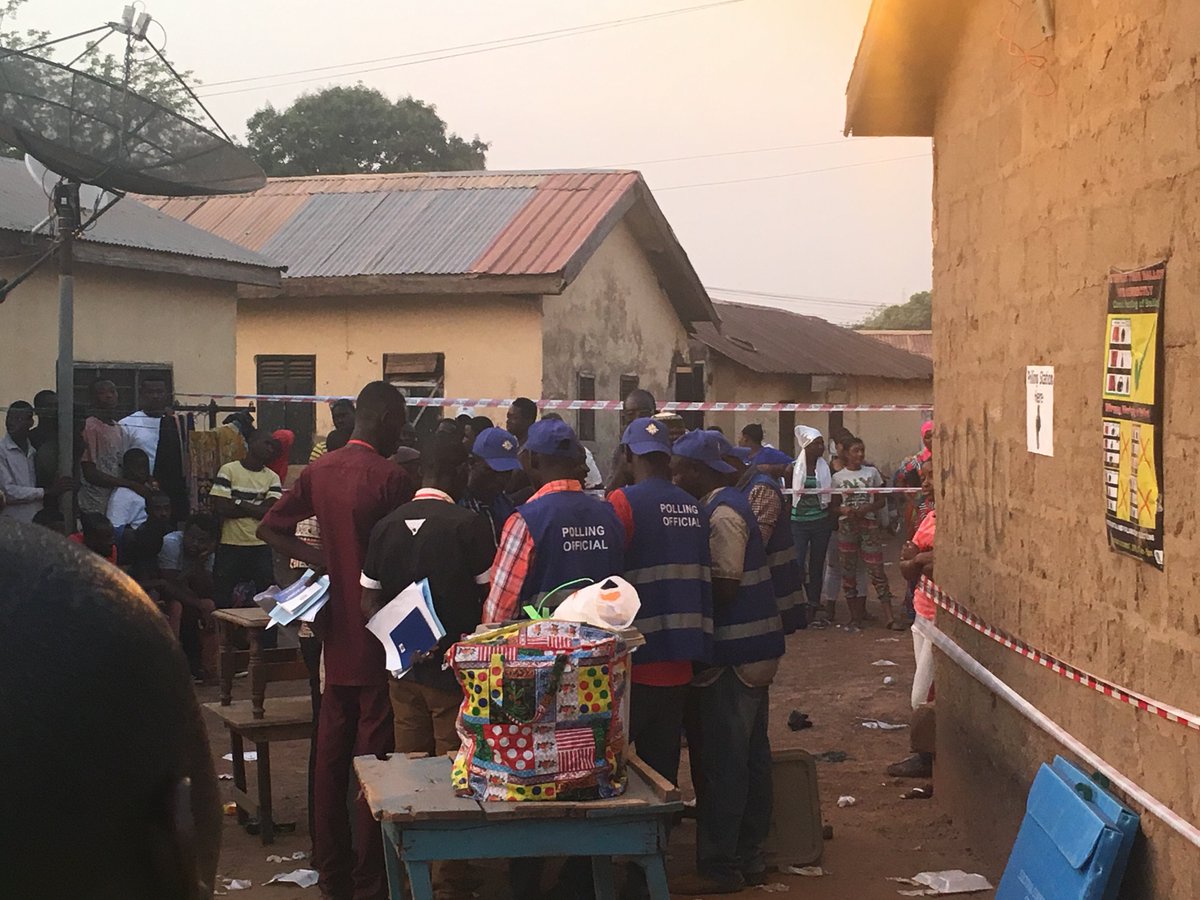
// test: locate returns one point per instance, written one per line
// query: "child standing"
(859, 534)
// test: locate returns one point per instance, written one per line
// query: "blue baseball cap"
(645, 435)
(553, 437)
(705, 447)
(742, 453)
(498, 448)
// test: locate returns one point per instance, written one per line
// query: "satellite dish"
(102, 133)
(83, 130)
(90, 196)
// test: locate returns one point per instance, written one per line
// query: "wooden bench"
(423, 822)
(263, 666)
(289, 719)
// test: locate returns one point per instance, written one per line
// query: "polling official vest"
(669, 564)
(782, 560)
(574, 536)
(750, 629)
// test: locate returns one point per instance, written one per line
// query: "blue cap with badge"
(553, 437)
(645, 435)
(498, 448)
(704, 446)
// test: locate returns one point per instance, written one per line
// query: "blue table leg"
(602, 878)
(391, 859)
(656, 875)
(420, 879)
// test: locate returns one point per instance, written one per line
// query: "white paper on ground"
(806, 871)
(948, 881)
(883, 662)
(248, 756)
(879, 725)
(299, 854)
(306, 878)
(409, 613)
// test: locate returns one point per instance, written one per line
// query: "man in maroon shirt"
(348, 491)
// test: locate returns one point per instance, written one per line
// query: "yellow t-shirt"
(235, 482)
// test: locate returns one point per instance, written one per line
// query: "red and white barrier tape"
(865, 490)
(1123, 694)
(489, 402)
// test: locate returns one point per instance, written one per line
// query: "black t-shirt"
(453, 548)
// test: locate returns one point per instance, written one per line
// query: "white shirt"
(18, 480)
(143, 431)
(126, 508)
(594, 479)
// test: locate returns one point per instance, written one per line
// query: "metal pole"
(66, 372)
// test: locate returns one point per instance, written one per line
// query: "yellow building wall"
(889, 436)
(613, 320)
(492, 344)
(1046, 177)
(121, 316)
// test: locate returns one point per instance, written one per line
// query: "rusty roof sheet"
(918, 342)
(777, 341)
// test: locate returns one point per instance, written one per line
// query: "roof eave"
(122, 257)
(383, 285)
(906, 49)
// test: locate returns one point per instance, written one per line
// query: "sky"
(732, 110)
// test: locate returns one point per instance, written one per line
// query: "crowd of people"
(726, 560)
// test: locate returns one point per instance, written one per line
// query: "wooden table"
(290, 719)
(263, 665)
(423, 821)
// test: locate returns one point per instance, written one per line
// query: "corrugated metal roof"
(918, 342)
(129, 223)
(442, 223)
(558, 219)
(402, 233)
(770, 340)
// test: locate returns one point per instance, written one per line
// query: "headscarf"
(800, 473)
(925, 453)
(279, 465)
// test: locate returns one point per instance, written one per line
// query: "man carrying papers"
(431, 538)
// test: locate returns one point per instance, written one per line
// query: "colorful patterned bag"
(545, 712)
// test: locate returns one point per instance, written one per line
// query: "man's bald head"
(380, 416)
(101, 731)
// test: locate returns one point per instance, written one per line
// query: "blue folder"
(1073, 843)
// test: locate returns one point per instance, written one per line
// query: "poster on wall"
(1039, 409)
(1132, 413)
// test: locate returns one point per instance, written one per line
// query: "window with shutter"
(419, 375)
(297, 375)
(126, 376)
(587, 417)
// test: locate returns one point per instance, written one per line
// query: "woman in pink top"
(916, 559)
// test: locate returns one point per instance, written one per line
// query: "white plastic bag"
(611, 603)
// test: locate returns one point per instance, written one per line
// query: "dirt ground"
(827, 674)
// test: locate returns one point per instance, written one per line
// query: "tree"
(916, 314)
(340, 130)
(148, 76)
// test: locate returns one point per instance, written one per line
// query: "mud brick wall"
(1047, 176)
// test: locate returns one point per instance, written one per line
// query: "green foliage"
(341, 130)
(915, 315)
(148, 76)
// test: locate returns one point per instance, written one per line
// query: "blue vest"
(574, 536)
(749, 630)
(782, 560)
(670, 565)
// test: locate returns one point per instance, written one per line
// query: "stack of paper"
(407, 626)
(301, 600)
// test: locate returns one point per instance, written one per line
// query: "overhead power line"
(804, 298)
(873, 162)
(454, 52)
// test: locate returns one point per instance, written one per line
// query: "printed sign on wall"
(1132, 413)
(1039, 409)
